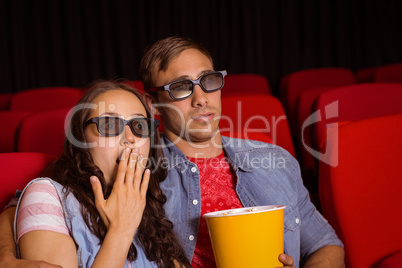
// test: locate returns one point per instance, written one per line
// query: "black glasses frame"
(153, 124)
(194, 83)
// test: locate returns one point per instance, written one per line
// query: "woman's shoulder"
(40, 208)
(41, 186)
(40, 192)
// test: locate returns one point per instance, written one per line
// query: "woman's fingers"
(97, 189)
(139, 171)
(145, 182)
(132, 165)
(99, 198)
(122, 168)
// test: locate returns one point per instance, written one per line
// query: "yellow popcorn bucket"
(247, 237)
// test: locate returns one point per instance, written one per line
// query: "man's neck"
(200, 148)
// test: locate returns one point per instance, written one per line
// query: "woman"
(107, 153)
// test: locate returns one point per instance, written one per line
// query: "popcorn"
(228, 212)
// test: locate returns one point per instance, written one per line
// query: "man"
(208, 172)
(190, 112)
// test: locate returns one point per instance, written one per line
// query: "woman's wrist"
(121, 234)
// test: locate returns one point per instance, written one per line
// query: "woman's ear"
(150, 101)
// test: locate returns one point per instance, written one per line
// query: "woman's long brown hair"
(75, 166)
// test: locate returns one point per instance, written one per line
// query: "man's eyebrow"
(205, 72)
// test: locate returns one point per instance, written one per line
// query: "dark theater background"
(71, 43)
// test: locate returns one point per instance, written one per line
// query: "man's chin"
(201, 135)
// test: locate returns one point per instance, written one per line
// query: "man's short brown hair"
(158, 56)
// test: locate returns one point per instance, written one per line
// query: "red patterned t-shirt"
(218, 182)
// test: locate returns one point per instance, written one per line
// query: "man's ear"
(150, 101)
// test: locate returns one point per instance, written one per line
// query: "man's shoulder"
(236, 145)
(240, 151)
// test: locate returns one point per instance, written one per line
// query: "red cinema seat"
(257, 113)
(43, 132)
(297, 82)
(5, 99)
(10, 121)
(45, 99)
(244, 84)
(355, 102)
(365, 75)
(394, 260)
(17, 169)
(303, 138)
(359, 188)
(391, 73)
(137, 84)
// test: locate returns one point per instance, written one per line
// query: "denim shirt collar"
(234, 151)
(173, 155)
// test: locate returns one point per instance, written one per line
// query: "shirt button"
(297, 220)
(191, 237)
(193, 169)
(195, 202)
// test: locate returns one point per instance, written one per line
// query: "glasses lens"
(181, 89)
(211, 82)
(141, 127)
(110, 125)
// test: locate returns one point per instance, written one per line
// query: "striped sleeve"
(41, 209)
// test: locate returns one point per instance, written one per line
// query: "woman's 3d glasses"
(110, 126)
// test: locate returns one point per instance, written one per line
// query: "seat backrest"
(137, 84)
(245, 83)
(257, 112)
(43, 132)
(45, 99)
(357, 102)
(303, 137)
(300, 81)
(5, 99)
(17, 169)
(365, 75)
(360, 196)
(391, 73)
(10, 121)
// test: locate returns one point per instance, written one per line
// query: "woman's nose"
(128, 136)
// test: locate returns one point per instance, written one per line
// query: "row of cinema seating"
(346, 128)
(359, 187)
(360, 184)
(318, 119)
(300, 93)
(358, 191)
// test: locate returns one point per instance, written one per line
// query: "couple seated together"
(123, 195)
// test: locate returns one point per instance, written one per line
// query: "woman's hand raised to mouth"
(122, 211)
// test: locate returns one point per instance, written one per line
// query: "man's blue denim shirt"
(266, 175)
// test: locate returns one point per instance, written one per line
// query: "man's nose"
(199, 97)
